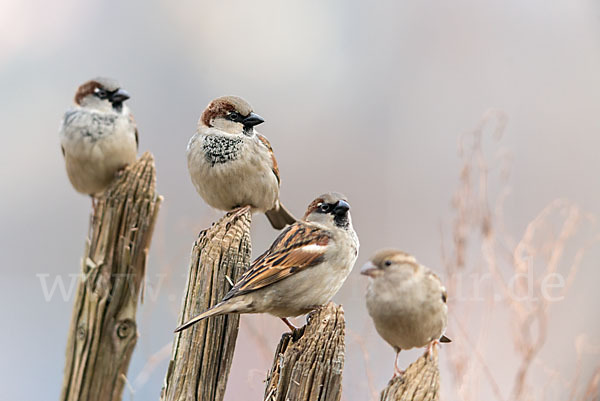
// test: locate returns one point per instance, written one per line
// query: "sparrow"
(406, 301)
(232, 165)
(303, 269)
(98, 136)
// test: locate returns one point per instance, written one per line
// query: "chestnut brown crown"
(90, 87)
(223, 106)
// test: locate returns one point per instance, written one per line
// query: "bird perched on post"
(302, 270)
(406, 301)
(98, 136)
(232, 165)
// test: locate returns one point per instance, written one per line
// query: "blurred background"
(464, 132)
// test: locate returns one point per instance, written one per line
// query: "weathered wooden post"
(308, 363)
(420, 382)
(202, 354)
(103, 328)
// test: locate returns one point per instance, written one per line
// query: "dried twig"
(509, 271)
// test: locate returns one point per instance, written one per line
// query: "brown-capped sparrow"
(302, 270)
(98, 136)
(406, 301)
(232, 165)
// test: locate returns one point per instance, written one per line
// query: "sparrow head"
(391, 263)
(232, 115)
(102, 94)
(331, 208)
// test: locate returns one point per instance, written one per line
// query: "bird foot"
(239, 210)
(314, 310)
(94, 208)
(289, 324)
(119, 173)
(398, 373)
(429, 350)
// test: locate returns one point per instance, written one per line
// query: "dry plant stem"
(308, 363)
(544, 249)
(420, 382)
(103, 328)
(202, 354)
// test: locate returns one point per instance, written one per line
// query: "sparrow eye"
(234, 116)
(387, 263)
(101, 93)
(324, 207)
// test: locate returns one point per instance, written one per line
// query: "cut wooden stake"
(202, 354)
(420, 382)
(308, 363)
(103, 328)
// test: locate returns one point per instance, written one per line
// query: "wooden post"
(103, 328)
(308, 363)
(202, 354)
(420, 382)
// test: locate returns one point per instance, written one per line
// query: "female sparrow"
(406, 301)
(232, 165)
(98, 136)
(302, 270)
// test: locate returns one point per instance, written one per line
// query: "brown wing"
(298, 247)
(437, 285)
(137, 140)
(265, 141)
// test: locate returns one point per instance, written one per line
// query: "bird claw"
(241, 209)
(289, 324)
(429, 350)
(312, 313)
(119, 173)
(94, 210)
(398, 373)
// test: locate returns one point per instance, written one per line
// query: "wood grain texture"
(420, 382)
(103, 329)
(202, 354)
(308, 363)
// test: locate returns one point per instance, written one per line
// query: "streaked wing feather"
(437, 284)
(298, 247)
(137, 139)
(275, 169)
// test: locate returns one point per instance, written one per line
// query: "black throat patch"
(221, 149)
(342, 221)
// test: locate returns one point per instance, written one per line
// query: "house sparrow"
(406, 301)
(302, 270)
(98, 136)
(232, 165)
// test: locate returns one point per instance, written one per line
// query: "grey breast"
(92, 125)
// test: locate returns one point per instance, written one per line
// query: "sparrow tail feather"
(445, 339)
(218, 309)
(279, 217)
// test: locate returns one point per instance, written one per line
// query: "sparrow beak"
(119, 96)
(369, 269)
(341, 208)
(252, 119)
